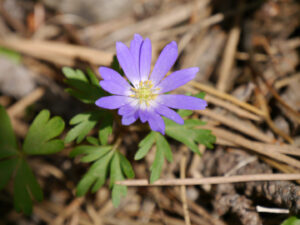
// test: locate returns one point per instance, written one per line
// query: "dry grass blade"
(212, 180)
(237, 125)
(58, 53)
(227, 97)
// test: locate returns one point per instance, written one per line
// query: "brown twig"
(59, 53)
(227, 97)
(237, 124)
(229, 53)
(212, 180)
(183, 191)
(254, 146)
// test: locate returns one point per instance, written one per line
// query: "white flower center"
(145, 92)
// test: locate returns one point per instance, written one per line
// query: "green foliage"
(39, 141)
(145, 145)
(163, 151)
(85, 122)
(293, 220)
(25, 187)
(8, 141)
(40, 137)
(189, 134)
(105, 159)
(83, 87)
(106, 128)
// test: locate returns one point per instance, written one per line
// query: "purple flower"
(144, 97)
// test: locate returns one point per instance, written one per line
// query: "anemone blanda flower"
(144, 96)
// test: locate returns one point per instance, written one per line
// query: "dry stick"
(60, 53)
(286, 81)
(227, 97)
(237, 125)
(233, 108)
(19, 107)
(211, 180)
(226, 105)
(154, 23)
(254, 146)
(229, 52)
(258, 57)
(73, 206)
(261, 99)
(183, 192)
(280, 166)
(97, 220)
(97, 31)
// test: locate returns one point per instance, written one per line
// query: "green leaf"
(7, 168)
(106, 128)
(96, 175)
(182, 134)
(40, 137)
(90, 152)
(25, 187)
(157, 165)
(293, 220)
(192, 123)
(190, 134)
(94, 80)
(118, 191)
(84, 88)
(162, 143)
(184, 112)
(92, 140)
(8, 141)
(126, 166)
(84, 123)
(200, 95)
(116, 174)
(96, 153)
(206, 138)
(145, 145)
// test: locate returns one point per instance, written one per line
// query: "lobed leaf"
(157, 165)
(8, 141)
(39, 139)
(84, 123)
(96, 175)
(206, 138)
(92, 140)
(85, 88)
(106, 128)
(116, 174)
(126, 166)
(26, 187)
(189, 134)
(182, 134)
(145, 145)
(162, 143)
(7, 168)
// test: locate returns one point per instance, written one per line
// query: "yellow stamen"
(144, 92)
